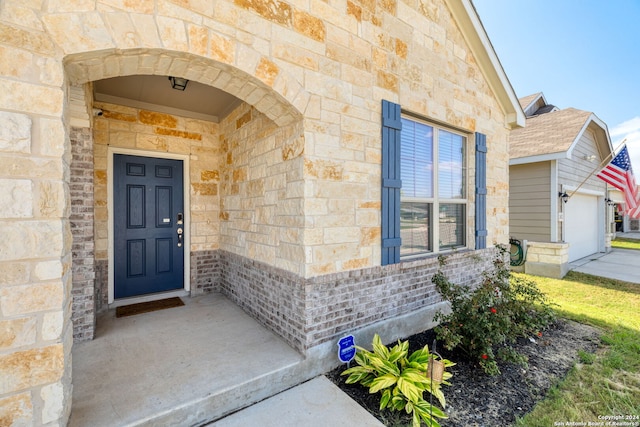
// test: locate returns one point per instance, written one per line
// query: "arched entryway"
(234, 166)
(228, 162)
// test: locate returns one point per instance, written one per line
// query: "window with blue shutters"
(424, 182)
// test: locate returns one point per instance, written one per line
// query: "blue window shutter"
(481, 191)
(391, 183)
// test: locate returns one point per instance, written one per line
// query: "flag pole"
(605, 161)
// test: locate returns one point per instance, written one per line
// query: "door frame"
(110, 221)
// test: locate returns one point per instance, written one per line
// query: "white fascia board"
(540, 95)
(604, 127)
(577, 138)
(592, 118)
(538, 158)
(465, 15)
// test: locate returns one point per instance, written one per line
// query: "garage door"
(581, 222)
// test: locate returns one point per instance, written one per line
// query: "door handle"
(179, 222)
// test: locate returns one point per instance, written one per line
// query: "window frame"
(436, 200)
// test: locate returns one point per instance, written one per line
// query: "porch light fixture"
(609, 202)
(564, 196)
(178, 83)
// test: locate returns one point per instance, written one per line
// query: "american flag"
(619, 174)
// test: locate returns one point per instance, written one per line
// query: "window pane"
(416, 159)
(450, 165)
(414, 228)
(452, 225)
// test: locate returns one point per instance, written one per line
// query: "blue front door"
(148, 225)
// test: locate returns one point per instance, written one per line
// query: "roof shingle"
(524, 102)
(547, 133)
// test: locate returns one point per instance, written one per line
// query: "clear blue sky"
(580, 53)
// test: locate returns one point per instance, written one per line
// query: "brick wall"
(101, 285)
(205, 272)
(81, 219)
(312, 311)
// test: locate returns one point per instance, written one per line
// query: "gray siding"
(529, 201)
(573, 171)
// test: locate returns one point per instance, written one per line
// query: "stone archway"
(90, 273)
(260, 83)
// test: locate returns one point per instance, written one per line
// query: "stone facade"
(285, 188)
(547, 259)
(262, 203)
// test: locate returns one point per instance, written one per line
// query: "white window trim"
(435, 200)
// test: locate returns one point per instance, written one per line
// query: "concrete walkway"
(619, 264)
(191, 365)
(316, 403)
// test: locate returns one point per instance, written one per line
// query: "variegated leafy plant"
(402, 379)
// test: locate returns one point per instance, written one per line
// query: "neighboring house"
(279, 165)
(622, 222)
(558, 153)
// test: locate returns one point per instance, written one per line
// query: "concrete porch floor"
(182, 366)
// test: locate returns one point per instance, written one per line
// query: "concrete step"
(182, 366)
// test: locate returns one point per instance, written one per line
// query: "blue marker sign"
(347, 348)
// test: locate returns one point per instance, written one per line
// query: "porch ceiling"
(198, 101)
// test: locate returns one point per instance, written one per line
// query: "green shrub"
(401, 379)
(484, 322)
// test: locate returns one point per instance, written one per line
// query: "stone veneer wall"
(36, 331)
(262, 203)
(547, 259)
(83, 266)
(312, 311)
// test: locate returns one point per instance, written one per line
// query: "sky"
(583, 54)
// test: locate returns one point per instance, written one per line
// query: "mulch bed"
(477, 400)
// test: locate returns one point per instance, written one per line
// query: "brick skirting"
(310, 312)
(307, 312)
(205, 272)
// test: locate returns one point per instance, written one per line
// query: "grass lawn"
(607, 383)
(623, 243)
